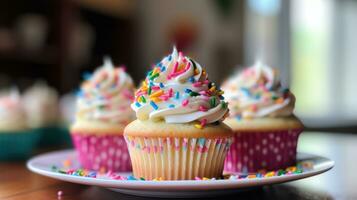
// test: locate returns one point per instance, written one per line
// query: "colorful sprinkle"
(153, 104)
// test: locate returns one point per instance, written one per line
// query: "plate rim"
(186, 185)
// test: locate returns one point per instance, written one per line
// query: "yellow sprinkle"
(157, 94)
(196, 71)
(198, 126)
(67, 163)
(269, 174)
(203, 73)
(155, 99)
(212, 89)
(221, 92)
(280, 100)
(144, 84)
(252, 176)
(291, 169)
(205, 178)
(156, 70)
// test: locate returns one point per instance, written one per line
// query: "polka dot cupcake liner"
(254, 151)
(102, 152)
(172, 158)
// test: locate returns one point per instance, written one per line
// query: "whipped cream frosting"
(41, 105)
(12, 114)
(106, 95)
(177, 90)
(257, 92)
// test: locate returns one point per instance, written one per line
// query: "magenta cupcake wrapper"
(102, 152)
(254, 151)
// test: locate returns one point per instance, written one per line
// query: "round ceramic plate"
(42, 164)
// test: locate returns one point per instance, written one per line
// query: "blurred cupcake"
(266, 130)
(17, 141)
(42, 109)
(103, 110)
(178, 134)
(41, 105)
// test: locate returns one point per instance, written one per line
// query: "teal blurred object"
(54, 136)
(18, 145)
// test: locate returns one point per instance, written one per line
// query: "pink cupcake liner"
(102, 152)
(254, 151)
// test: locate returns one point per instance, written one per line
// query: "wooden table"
(16, 182)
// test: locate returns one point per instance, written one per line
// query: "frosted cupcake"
(42, 110)
(179, 132)
(17, 141)
(103, 110)
(266, 130)
(41, 105)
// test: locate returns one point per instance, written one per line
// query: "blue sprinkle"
(245, 91)
(151, 84)
(131, 178)
(191, 79)
(162, 85)
(238, 117)
(86, 75)
(177, 95)
(163, 68)
(153, 104)
(170, 57)
(159, 64)
(171, 106)
(201, 141)
(92, 174)
(221, 97)
(188, 90)
(137, 104)
(259, 175)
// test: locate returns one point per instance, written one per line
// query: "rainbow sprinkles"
(177, 90)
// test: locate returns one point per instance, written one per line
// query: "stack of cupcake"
(180, 131)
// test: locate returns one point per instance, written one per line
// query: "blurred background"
(313, 43)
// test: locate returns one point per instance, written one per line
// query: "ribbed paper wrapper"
(102, 152)
(177, 158)
(268, 150)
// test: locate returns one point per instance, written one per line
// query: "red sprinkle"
(203, 108)
(185, 102)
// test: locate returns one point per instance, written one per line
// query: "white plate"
(191, 188)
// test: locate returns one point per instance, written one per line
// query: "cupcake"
(103, 110)
(266, 130)
(42, 109)
(178, 134)
(41, 105)
(17, 141)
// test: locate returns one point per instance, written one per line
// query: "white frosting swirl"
(41, 105)
(257, 92)
(106, 96)
(12, 114)
(178, 91)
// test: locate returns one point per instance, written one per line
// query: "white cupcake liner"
(177, 158)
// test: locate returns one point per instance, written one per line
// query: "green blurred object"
(18, 145)
(225, 6)
(54, 136)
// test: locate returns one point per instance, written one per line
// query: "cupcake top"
(41, 105)
(12, 114)
(256, 92)
(106, 96)
(177, 90)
